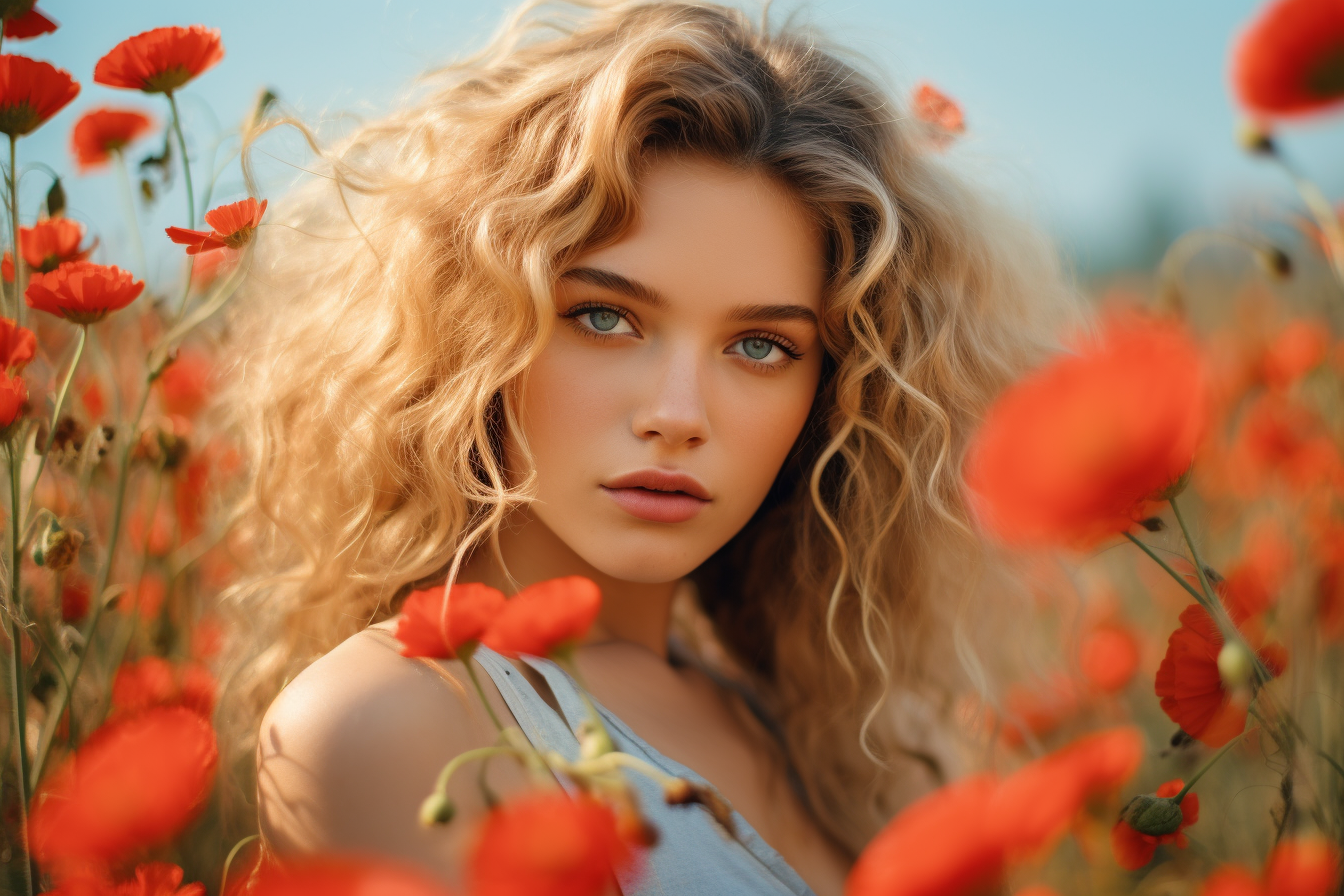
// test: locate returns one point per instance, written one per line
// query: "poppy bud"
(1176, 487)
(1235, 665)
(57, 547)
(1153, 815)
(437, 809)
(1256, 139)
(1274, 262)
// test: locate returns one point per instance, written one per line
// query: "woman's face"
(682, 367)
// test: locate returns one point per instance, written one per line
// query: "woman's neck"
(637, 612)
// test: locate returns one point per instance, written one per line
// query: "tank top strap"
(539, 722)
(564, 688)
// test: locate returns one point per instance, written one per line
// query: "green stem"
(233, 853)
(610, 762)
(1180, 579)
(56, 413)
(1206, 766)
(461, 759)
(104, 575)
(1194, 553)
(186, 166)
(20, 270)
(19, 692)
(132, 219)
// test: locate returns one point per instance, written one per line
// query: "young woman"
(668, 300)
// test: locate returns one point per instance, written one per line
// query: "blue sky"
(1088, 116)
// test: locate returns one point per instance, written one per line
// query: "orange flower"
(23, 20)
(1109, 656)
(433, 626)
(233, 226)
(915, 856)
(1074, 452)
(153, 681)
(1038, 708)
(31, 92)
(13, 395)
(17, 345)
(160, 60)
(931, 106)
(74, 598)
(100, 133)
(332, 875)
(83, 292)
(151, 879)
(185, 385)
(1134, 849)
(1189, 684)
(1298, 349)
(546, 617)
(548, 844)
(1303, 867)
(1287, 61)
(1252, 585)
(47, 245)
(135, 783)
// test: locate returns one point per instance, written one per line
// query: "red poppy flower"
(31, 92)
(24, 20)
(1133, 849)
(153, 681)
(1190, 686)
(1038, 707)
(1074, 452)
(1109, 656)
(47, 245)
(548, 844)
(151, 879)
(83, 292)
(135, 783)
(13, 394)
(17, 345)
(100, 133)
(931, 106)
(1299, 348)
(1252, 585)
(74, 598)
(1231, 880)
(914, 855)
(545, 617)
(332, 875)
(186, 383)
(1290, 60)
(433, 626)
(1307, 866)
(160, 60)
(232, 227)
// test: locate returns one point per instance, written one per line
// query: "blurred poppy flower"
(1132, 848)
(74, 598)
(94, 399)
(47, 245)
(151, 879)
(24, 20)
(332, 875)
(549, 844)
(100, 133)
(184, 386)
(160, 60)
(1076, 451)
(1280, 440)
(1108, 656)
(1231, 880)
(941, 115)
(31, 91)
(146, 597)
(1191, 687)
(915, 856)
(13, 395)
(18, 345)
(1299, 348)
(154, 681)
(232, 227)
(1037, 708)
(135, 783)
(83, 292)
(1253, 583)
(1307, 866)
(544, 618)
(1290, 59)
(431, 625)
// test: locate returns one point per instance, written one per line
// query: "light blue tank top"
(693, 857)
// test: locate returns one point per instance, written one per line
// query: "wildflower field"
(1172, 487)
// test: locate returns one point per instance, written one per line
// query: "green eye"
(757, 349)
(603, 319)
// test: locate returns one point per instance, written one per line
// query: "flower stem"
(186, 166)
(228, 862)
(1206, 766)
(461, 759)
(132, 219)
(56, 414)
(20, 271)
(1320, 209)
(19, 691)
(1180, 579)
(1194, 552)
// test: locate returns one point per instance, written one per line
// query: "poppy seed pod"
(1153, 815)
(436, 809)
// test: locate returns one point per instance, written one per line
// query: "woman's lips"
(659, 496)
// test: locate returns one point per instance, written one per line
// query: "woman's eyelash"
(775, 339)
(578, 311)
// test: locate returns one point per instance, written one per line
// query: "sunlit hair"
(399, 297)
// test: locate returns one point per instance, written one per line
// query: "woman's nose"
(673, 408)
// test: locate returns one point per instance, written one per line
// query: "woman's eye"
(758, 349)
(603, 320)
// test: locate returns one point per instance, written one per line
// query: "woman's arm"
(353, 744)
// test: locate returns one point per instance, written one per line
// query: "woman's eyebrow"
(648, 295)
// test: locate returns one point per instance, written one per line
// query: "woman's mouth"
(659, 496)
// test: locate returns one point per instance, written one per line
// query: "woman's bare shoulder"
(351, 746)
